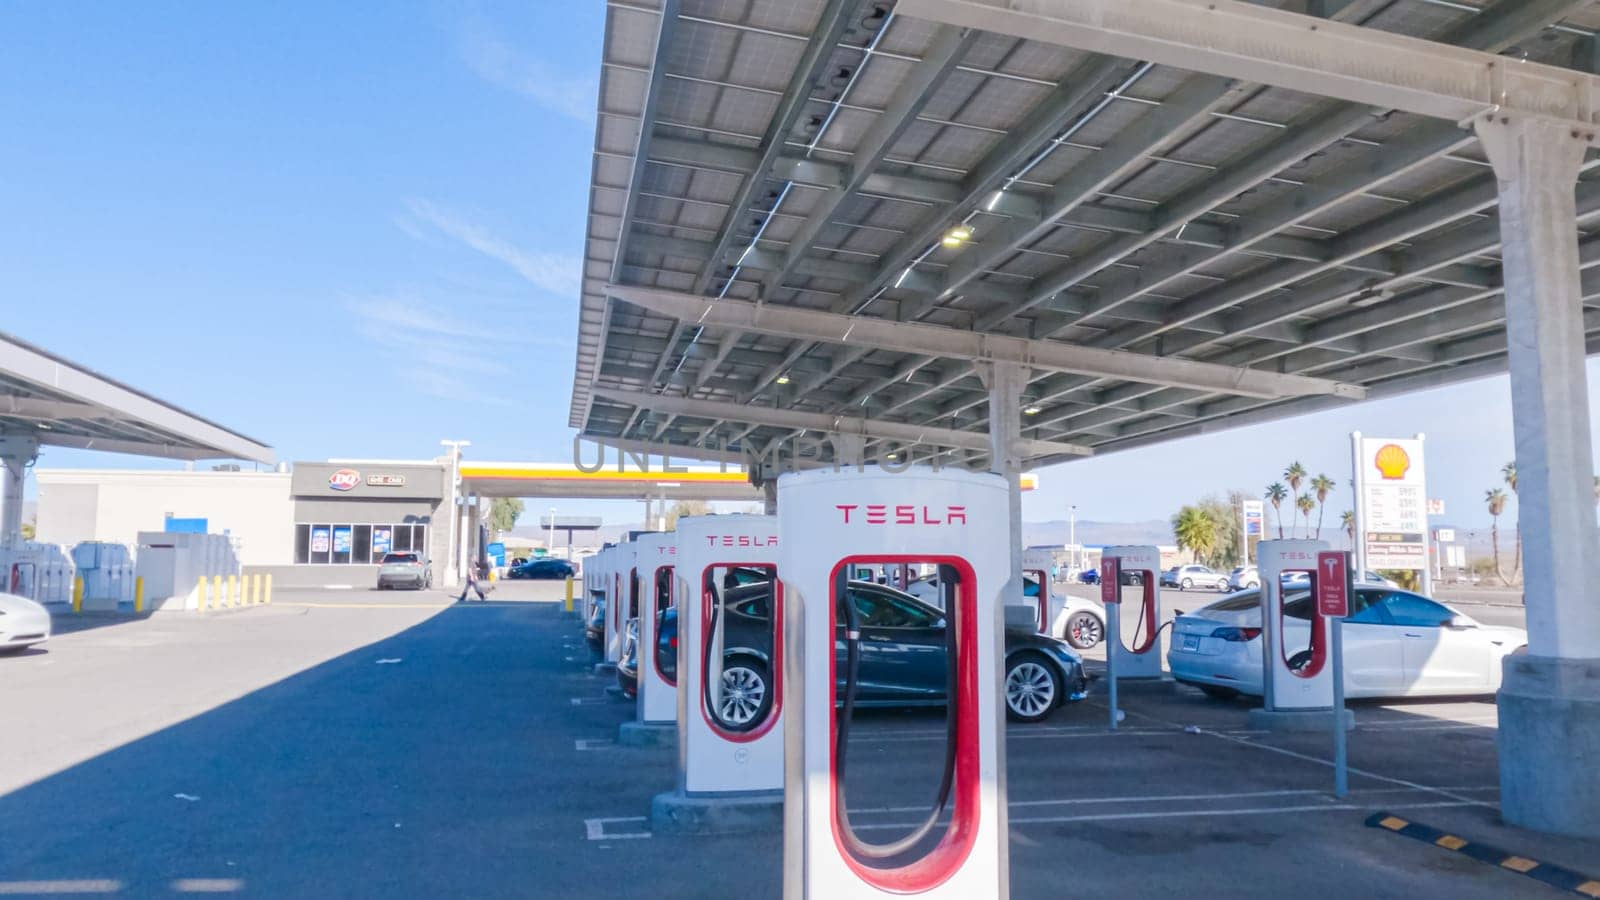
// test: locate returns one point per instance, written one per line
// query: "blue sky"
(352, 230)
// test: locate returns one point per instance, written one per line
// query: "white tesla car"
(1396, 644)
(1079, 622)
(23, 623)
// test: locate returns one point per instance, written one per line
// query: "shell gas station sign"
(1393, 503)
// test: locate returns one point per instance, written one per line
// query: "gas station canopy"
(507, 479)
(815, 216)
(60, 403)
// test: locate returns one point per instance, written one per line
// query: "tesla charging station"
(1140, 662)
(624, 596)
(730, 702)
(1037, 565)
(605, 592)
(1297, 682)
(833, 523)
(656, 556)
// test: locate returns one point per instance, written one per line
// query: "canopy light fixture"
(783, 379)
(1031, 411)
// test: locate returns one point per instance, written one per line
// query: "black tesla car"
(594, 630)
(902, 657)
(542, 568)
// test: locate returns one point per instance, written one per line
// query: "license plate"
(1191, 642)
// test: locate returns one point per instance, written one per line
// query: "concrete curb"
(647, 734)
(1297, 721)
(679, 813)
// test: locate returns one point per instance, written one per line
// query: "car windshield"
(391, 558)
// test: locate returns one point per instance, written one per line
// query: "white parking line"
(1184, 798)
(597, 831)
(593, 743)
(1330, 806)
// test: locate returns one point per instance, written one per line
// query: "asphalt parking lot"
(399, 746)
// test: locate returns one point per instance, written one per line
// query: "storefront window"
(331, 544)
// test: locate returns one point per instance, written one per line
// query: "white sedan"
(1396, 644)
(23, 623)
(1079, 622)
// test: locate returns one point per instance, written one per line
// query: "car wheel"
(746, 693)
(1252, 586)
(1188, 584)
(1217, 692)
(1084, 630)
(1032, 688)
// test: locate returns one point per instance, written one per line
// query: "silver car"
(23, 623)
(404, 570)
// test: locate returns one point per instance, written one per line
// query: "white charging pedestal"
(833, 522)
(1297, 674)
(1137, 666)
(1036, 564)
(731, 709)
(656, 707)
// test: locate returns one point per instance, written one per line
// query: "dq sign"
(344, 480)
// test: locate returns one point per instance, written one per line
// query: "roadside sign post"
(1111, 596)
(1335, 586)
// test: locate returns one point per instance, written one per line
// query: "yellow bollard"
(77, 593)
(138, 594)
(252, 592)
(200, 595)
(269, 587)
(216, 592)
(568, 606)
(233, 592)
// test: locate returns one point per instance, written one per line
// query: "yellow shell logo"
(1392, 462)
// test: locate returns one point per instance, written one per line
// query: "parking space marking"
(1330, 806)
(597, 829)
(1183, 798)
(1248, 742)
(594, 743)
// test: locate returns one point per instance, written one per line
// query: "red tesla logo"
(741, 540)
(903, 514)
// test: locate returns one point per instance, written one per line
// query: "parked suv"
(1244, 578)
(1186, 578)
(407, 570)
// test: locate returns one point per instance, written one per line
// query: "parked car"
(542, 568)
(628, 662)
(23, 623)
(902, 660)
(1092, 576)
(405, 569)
(1396, 644)
(1080, 622)
(1244, 578)
(594, 630)
(1303, 579)
(1187, 578)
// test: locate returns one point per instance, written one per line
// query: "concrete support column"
(1549, 702)
(769, 497)
(17, 453)
(1005, 382)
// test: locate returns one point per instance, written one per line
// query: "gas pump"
(1142, 658)
(834, 524)
(1036, 565)
(1297, 676)
(657, 703)
(730, 675)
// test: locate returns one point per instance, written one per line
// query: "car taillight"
(1237, 634)
(672, 642)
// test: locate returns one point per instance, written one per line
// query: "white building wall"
(255, 508)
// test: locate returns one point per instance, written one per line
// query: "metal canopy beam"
(822, 422)
(1241, 40)
(954, 343)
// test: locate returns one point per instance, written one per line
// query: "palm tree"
(1305, 503)
(1496, 500)
(1196, 531)
(1323, 485)
(1277, 494)
(1509, 473)
(1347, 521)
(1295, 474)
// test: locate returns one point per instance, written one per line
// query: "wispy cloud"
(498, 62)
(554, 272)
(452, 355)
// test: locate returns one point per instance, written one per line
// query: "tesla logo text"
(741, 540)
(667, 551)
(903, 514)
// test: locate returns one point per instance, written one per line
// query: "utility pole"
(550, 542)
(1072, 536)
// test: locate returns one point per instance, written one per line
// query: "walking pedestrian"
(472, 584)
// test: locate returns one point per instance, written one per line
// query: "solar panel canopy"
(845, 159)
